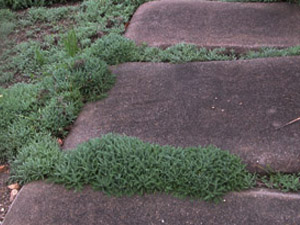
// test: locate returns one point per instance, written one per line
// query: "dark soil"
(39, 31)
(4, 193)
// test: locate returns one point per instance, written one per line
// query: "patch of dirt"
(4, 193)
(57, 5)
(38, 31)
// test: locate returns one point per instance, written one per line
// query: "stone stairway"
(236, 105)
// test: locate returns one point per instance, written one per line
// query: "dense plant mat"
(123, 165)
(23, 4)
(60, 56)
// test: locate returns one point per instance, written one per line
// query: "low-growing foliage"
(67, 69)
(42, 14)
(92, 77)
(5, 77)
(272, 52)
(71, 44)
(115, 49)
(29, 58)
(284, 182)
(16, 104)
(52, 104)
(6, 14)
(57, 114)
(39, 56)
(123, 165)
(22, 4)
(36, 160)
(7, 24)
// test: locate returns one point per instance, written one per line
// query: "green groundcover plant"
(23, 4)
(283, 182)
(69, 68)
(121, 165)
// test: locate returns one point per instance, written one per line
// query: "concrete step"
(236, 106)
(47, 204)
(210, 24)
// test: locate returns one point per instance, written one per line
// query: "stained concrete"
(236, 106)
(242, 26)
(47, 204)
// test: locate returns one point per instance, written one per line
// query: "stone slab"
(48, 204)
(236, 106)
(210, 24)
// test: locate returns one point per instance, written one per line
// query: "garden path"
(237, 105)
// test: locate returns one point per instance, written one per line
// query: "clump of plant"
(43, 14)
(115, 49)
(71, 44)
(52, 104)
(29, 59)
(182, 52)
(7, 24)
(59, 112)
(15, 103)
(272, 52)
(23, 4)
(89, 75)
(36, 160)
(283, 182)
(123, 165)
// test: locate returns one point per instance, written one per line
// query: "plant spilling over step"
(121, 165)
(63, 53)
(280, 181)
(51, 105)
(53, 101)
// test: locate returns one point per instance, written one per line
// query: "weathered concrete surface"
(216, 24)
(48, 204)
(236, 106)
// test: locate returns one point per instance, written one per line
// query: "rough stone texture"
(48, 204)
(236, 106)
(216, 24)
